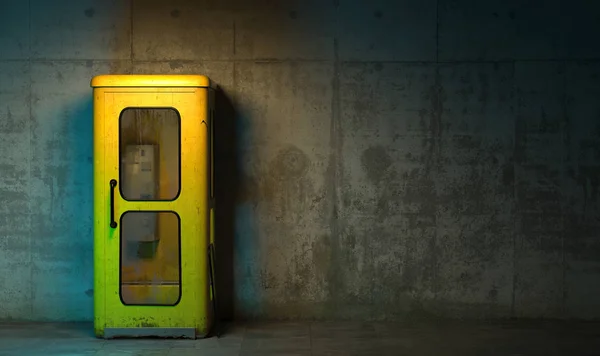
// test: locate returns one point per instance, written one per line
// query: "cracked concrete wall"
(377, 160)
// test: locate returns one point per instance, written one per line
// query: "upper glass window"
(150, 154)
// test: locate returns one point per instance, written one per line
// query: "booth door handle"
(113, 184)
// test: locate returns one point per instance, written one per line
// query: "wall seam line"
(30, 102)
(131, 57)
(437, 31)
(563, 306)
(517, 219)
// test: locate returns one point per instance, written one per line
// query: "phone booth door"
(155, 160)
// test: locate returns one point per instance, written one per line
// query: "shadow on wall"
(61, 225)
(227, 182)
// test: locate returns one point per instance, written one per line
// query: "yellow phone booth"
(153, 206)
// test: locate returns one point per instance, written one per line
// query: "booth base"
(185, 333)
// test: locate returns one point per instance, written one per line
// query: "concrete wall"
(377, 159)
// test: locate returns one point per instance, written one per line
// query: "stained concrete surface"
(339, 338)
(382, 160)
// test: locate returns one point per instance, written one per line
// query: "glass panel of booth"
(150, 170)
(150, 154)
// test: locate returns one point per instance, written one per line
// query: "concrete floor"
(448, 338)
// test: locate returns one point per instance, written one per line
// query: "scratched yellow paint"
(193, 97)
